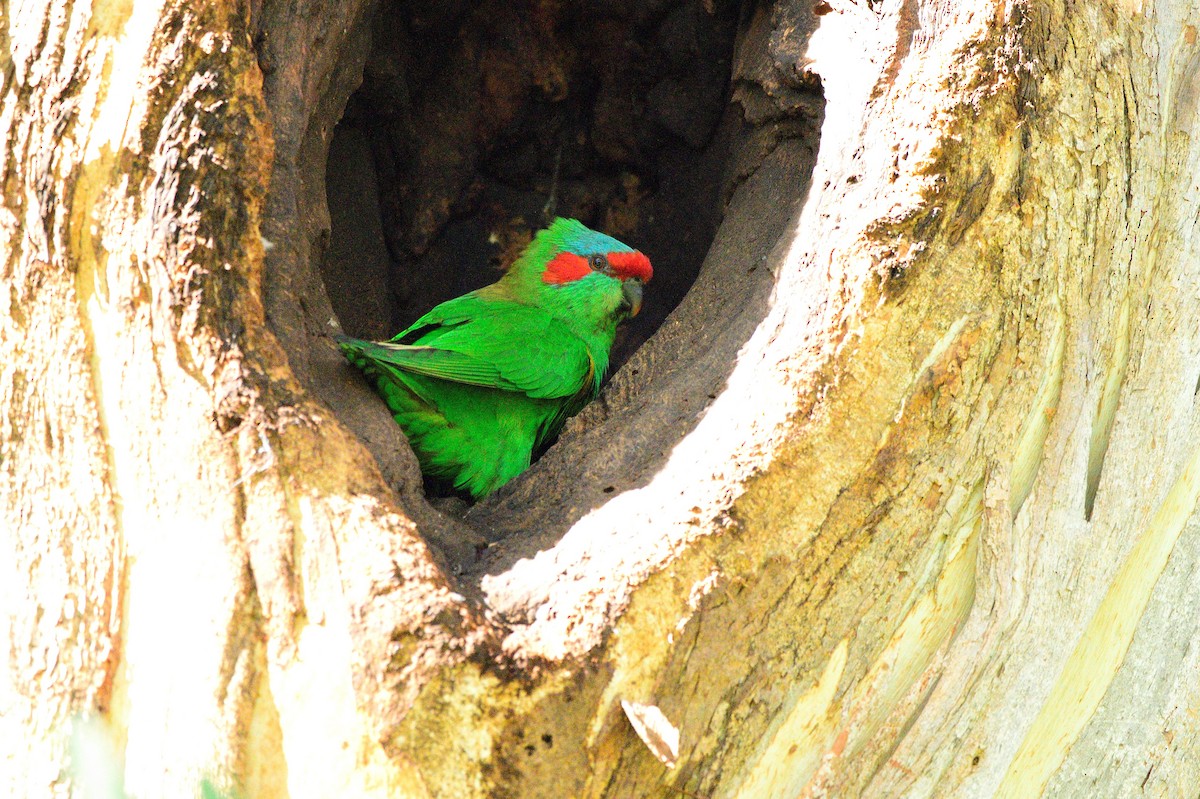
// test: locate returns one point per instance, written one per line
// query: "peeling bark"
(899, 501)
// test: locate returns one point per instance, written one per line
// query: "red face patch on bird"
(567, 267)
(564, 268)
(631, 265)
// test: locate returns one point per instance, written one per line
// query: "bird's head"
(573, 261)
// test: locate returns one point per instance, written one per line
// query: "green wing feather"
(492, 343)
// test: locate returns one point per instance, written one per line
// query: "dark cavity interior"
(476, 123)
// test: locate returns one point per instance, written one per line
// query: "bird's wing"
(502, 345)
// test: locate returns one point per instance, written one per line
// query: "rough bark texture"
(181, 566)
(900, 500)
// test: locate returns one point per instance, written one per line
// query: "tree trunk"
(899, 500)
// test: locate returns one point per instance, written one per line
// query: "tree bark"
(900, 500)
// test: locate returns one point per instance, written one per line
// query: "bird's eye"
(597, 262)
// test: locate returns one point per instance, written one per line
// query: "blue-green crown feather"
(571, 235)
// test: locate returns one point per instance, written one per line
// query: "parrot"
(483, 381)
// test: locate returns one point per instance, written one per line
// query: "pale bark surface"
(900, 501)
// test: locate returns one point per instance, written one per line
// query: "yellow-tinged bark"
(1093, 664)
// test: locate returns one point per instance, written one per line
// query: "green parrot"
(482, 381)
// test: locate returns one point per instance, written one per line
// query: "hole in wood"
(477, 123)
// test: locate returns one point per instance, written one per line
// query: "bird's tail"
(352, 348)
(397, 388)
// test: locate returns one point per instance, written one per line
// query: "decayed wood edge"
(356, 612)
(304, 579)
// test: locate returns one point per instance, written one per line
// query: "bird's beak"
(632, 289)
